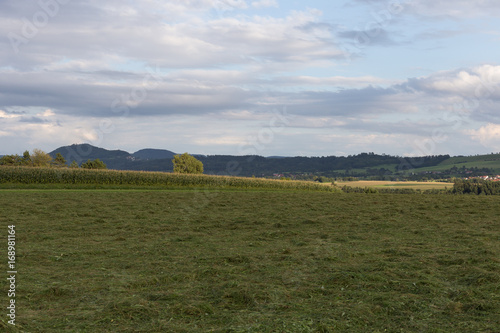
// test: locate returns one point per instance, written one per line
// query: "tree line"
(184, 163)
(39, 158)
(328, 166)
(476, 186)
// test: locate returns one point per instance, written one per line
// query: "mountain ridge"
(153, 154)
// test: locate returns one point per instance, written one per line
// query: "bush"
(95, 164)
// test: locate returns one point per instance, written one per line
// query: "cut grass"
(224, 261)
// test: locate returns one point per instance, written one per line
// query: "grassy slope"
(468, 159)
(481, 161)
(219, 261)
(491, 161)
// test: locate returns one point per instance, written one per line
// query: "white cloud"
(219, 141)
(481, 82)
(225, 61)
(339, 81)
(265, 4)
(46, 113)
(152, 35)
(47, 136)
(488, 135)
(455, 9)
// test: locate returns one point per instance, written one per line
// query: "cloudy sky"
(266, 77)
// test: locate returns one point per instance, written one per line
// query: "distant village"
(489, 178)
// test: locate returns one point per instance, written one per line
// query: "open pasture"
(253, 261)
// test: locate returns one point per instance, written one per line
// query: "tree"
(10, 160)
(95, 164)
(74, 165)
(26, 158)
(39, 158)
(186, 163)
(59, 161)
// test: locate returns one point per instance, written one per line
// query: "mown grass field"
(389, 184)
(253, 261)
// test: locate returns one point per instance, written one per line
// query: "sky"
(251, 77)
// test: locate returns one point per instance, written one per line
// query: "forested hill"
(258, 165)
(161, 160)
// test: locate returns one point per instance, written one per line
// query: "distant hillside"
(153, 154)
(143, 160)
(465, 164)
(363, 165)
(333, 166)
(83, 152)
(472, 159)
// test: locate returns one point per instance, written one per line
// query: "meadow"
(125, 260)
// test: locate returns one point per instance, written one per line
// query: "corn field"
(30, 175)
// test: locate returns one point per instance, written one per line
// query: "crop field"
(64, 177)
(252, 261)
(389, 184)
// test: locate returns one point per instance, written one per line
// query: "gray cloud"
(377, 36)
(441, 8)
(32, 120)
(159, 59)
(102, 95)
(118, 33)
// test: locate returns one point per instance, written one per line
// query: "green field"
(473, 159)
(491, 161)
(493, 165)
(252, 261)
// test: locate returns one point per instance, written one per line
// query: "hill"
(153, 154)
(142, 160)
(83, 152)
(465, 166)
(364, 165)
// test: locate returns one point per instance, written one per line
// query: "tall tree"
(39, 158)
(26, 158)
(186, 163)
(59, 161)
